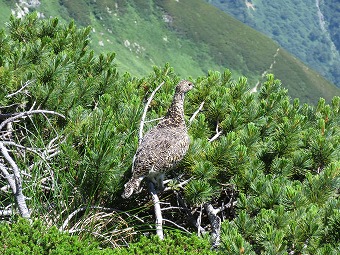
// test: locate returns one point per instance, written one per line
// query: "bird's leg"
(160, 183)
(157, 180)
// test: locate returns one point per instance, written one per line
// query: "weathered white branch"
(215, 222)
(19, 196)
(196, 112)
(218, 133)
(25, 114)
(8, 177)
(158, 211)
(18, 91)
(145, 111)
(223, 207)
(199, 220)
(148, 121)
(6, 212)
(178, 226)
(254, 90)
(7, 143)
(172, 208)
(215, 136)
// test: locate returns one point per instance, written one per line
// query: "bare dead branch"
(199, 220)
(196, 112)
(148, 121)
(215, 222)
(9, 177)
(254, 89)
(25, 114)
(9, 106)
(178, 226)
(145, 111)
(7, 143)
(223, 207)
(172, 208)
(158, 211)
(19, 196)
(22, 88)
(218, 133)
(5, 188)
(5, 212)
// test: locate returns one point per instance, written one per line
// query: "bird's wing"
(160, 149)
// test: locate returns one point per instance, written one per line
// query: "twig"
(223, 207)
(189, 214)
(22, 147)
(5, 188)
(148, 121)
(196, 112)
(9, 106)
(158, 211)
(172, 207)
(145, 111)
(199, 220)
(218, 133)
(178, 226)
(28, 113)
(18, 91)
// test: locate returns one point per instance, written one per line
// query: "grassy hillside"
(192, 36)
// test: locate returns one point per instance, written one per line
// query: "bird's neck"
(175, 114)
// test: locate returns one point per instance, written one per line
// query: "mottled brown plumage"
(163, 146)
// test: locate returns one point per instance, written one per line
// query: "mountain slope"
(254, 52)
(308, 29)
(193, 36)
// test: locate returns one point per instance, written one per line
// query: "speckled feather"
(164, 146)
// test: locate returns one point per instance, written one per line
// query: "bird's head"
(184, 86)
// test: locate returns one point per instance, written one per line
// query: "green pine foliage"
(277, 159)
(25, 238)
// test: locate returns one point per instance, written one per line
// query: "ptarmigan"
(163, 146)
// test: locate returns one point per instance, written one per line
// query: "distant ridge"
(192, 36)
